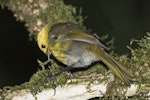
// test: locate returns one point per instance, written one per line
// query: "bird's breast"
(58, 52)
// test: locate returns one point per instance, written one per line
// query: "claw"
(53, 83)
(52, 78)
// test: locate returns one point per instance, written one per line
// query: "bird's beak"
(48, 54)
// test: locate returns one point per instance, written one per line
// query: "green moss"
(138, 64)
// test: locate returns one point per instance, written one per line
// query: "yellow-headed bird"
(76, 47)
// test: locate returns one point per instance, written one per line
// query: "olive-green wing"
(83, 35)
(66, 31)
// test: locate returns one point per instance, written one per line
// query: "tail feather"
(118, 70)
(120, 66)
(123, 74)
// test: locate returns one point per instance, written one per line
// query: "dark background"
(121, 19)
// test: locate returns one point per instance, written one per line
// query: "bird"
(76, 47)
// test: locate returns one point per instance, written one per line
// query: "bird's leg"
(53, 77)
(68, 68)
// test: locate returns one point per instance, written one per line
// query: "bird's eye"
(43, 46)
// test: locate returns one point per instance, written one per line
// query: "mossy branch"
(35, 14)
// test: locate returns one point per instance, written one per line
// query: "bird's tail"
(118, 70)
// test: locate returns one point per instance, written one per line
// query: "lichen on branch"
(37, 13)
